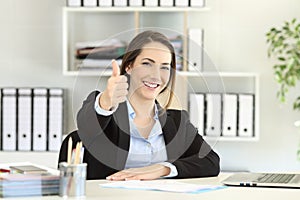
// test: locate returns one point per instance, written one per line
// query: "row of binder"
(225, 115)
(31, 119)
(147, 3)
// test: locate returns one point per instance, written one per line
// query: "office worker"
(128, 135)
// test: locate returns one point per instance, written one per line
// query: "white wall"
(238, 43)
(31, 55)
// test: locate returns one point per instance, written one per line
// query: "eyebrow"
(153, 61)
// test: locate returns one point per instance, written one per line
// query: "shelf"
(231, 139)
(135, 9)
(179, 73)
(85, 24)
(213, 74)
(90, 73)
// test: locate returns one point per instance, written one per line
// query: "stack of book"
(28, 181)
(98, 54)
(177, 43)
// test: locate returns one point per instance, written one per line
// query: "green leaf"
(284, 45)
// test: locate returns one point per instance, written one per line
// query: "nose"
(155, 73)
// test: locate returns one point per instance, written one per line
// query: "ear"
(128, 69)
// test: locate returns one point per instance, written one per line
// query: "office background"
(31, 55)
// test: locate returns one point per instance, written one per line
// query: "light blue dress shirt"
(143, 152)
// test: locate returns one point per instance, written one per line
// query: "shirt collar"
(132, 114)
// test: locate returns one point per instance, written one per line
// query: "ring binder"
(9, 119)
(55, 118)
(24, 119)
(39, 119)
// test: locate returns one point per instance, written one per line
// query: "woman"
(128, 135)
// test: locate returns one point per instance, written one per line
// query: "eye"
(165, 67)
(146, 64)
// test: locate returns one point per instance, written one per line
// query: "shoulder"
(93, 94)
(177, 114)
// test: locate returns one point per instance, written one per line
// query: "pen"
(69, 156)
(77, 153)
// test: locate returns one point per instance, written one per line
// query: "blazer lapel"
(170, 136)
(122, 121)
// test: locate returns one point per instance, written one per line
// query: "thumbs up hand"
(116, 89)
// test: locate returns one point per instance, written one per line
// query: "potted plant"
(284, 46)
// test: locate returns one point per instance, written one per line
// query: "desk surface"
(94, 191)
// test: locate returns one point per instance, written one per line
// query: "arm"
(90, 123)
(199, 159)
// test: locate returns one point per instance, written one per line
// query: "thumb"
(115, 68)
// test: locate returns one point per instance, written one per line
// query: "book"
(19, 185)
(27, 169)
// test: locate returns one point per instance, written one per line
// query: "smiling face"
(150, 72)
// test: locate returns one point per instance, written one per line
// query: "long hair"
(135, 48)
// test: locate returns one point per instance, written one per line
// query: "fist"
(116, 89)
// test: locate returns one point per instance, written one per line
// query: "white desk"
(94, 191)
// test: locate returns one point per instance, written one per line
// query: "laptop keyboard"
(275, 178)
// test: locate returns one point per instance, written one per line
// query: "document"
(195, 50)
(166, 3)
(55, 118)
(229, 125)
(39, 119)
(135, 2)
(246, 115)
(196, 109)
(162, 185)
(24, 119)
(197, 3)
(105, 3)
(213, 114)
(9, 119)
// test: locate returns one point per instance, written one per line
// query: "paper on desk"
(162, 185)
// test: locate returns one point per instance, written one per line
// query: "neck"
(142, 107)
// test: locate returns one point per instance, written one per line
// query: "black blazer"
(106, 140)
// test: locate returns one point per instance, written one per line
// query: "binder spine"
(9, 119)
(1, 131)
(25, 119)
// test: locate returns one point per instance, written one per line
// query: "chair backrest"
(64, 146)
(95, 169)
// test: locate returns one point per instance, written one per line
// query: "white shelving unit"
(77, 23)
(83, 24)
(221, 82)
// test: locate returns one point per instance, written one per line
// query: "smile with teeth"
(151, 84)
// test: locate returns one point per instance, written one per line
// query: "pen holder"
(72, 179)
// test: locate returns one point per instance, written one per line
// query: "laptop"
(283, 180)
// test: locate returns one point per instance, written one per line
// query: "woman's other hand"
(143, 173)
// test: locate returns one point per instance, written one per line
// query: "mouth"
(151, 85)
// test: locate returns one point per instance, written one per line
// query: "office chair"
(95, 169)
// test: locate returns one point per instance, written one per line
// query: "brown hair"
(135, 48)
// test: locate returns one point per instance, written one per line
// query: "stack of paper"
(16, 185)
(98, 54)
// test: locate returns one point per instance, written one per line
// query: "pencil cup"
(72, 179)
